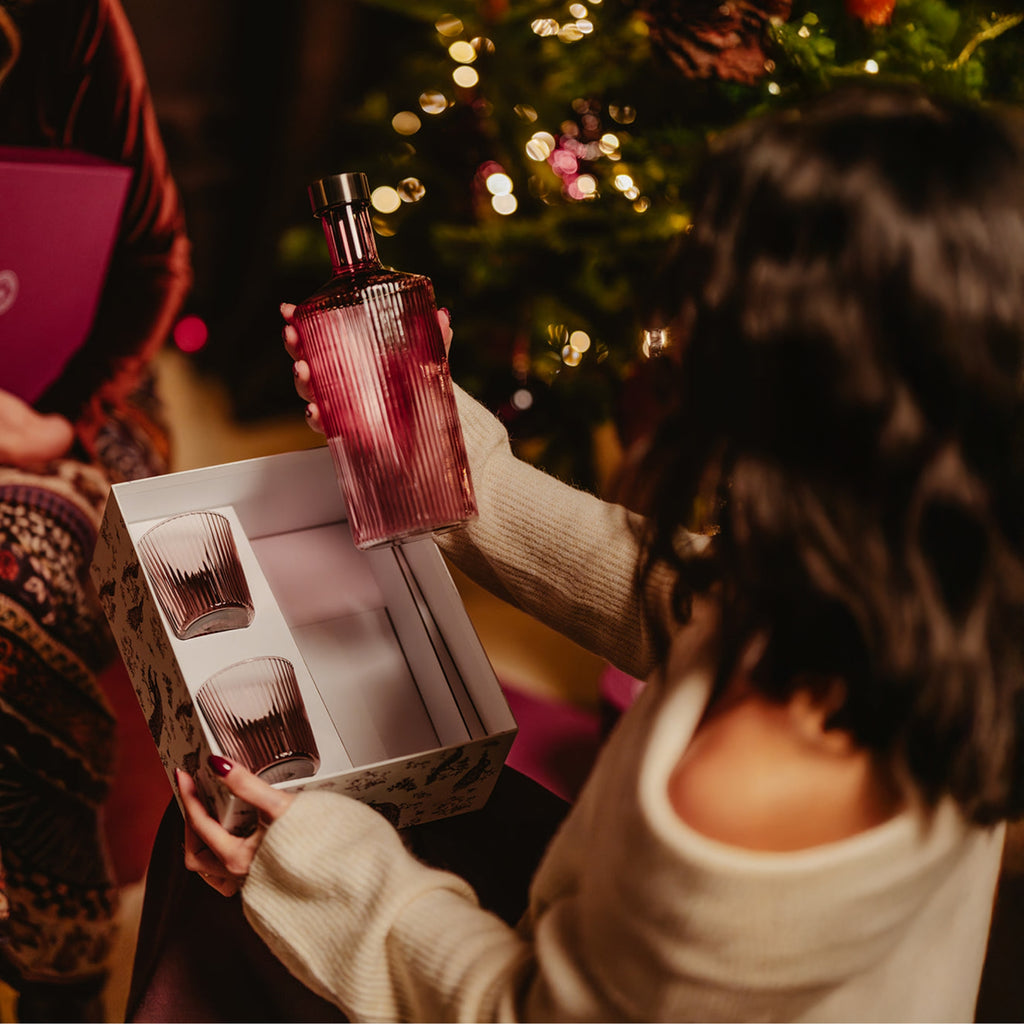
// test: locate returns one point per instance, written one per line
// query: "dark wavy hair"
(850, 305)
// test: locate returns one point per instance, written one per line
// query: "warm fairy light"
(545, 27)
(579, 340)
(482, 44)
(642, 205)
(504, 204)
(774, 88)
(570, 33)
(623, 182)
(624, 115)
(526, 112)
(465, 76)
(540, 146)
(433, 102)
(585, 25)
(587, 185)
(411, 190)
(385, 199)
(499, 184)
(871, 67)
(577, 10)
(448, 25)
(608, 143)
(632, 192)
(570, 356)
(462, 52)
(522, 399)
(405, 122)
(803, 32)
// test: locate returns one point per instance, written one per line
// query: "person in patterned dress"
(71, 77)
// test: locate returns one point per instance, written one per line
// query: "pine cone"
(713, 38)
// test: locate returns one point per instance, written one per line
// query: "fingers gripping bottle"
(380, 378)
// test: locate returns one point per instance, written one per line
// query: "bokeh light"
(411, 190)
(505, 204)
(433, 102)
(465, 76)
(462, 51)
(190, 333)
(405, 122)
(579, 340)
(587, 184)
(540, 146)
(499, 184)
(448, 25)
(385, 199)
(522, 399)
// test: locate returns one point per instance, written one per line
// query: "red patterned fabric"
(71, 76)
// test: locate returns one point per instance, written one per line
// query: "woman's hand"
(221, 859)
(293, 345)
(29, 439)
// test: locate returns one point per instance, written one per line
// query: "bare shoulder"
(765, 776)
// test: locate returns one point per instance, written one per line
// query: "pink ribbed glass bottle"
(380, 378)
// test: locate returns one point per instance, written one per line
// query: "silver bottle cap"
(338, 190)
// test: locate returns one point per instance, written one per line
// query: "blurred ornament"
(722, 39)
(411, 190)
(655, 342)
(871, 12)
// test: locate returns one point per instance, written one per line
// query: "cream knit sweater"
(633, 916)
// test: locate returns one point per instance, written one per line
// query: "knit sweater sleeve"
(558, 553)
(339, 900)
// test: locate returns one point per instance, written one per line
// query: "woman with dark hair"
(801, 817)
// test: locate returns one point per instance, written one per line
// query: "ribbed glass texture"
(381, 380)
(255, 710)
(193, 563)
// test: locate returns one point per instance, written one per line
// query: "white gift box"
(406, 710)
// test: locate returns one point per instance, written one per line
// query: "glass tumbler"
(257, 714)
(193, 562)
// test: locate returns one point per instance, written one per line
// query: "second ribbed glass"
(257, 714)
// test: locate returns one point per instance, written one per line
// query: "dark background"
(249, 98)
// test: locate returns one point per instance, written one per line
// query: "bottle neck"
(350, 238)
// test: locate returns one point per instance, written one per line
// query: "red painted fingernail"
(221, 765)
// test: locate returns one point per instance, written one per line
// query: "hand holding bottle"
(300, 368)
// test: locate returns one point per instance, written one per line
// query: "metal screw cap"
(338, 190)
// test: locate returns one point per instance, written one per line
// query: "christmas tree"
(535, 159)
